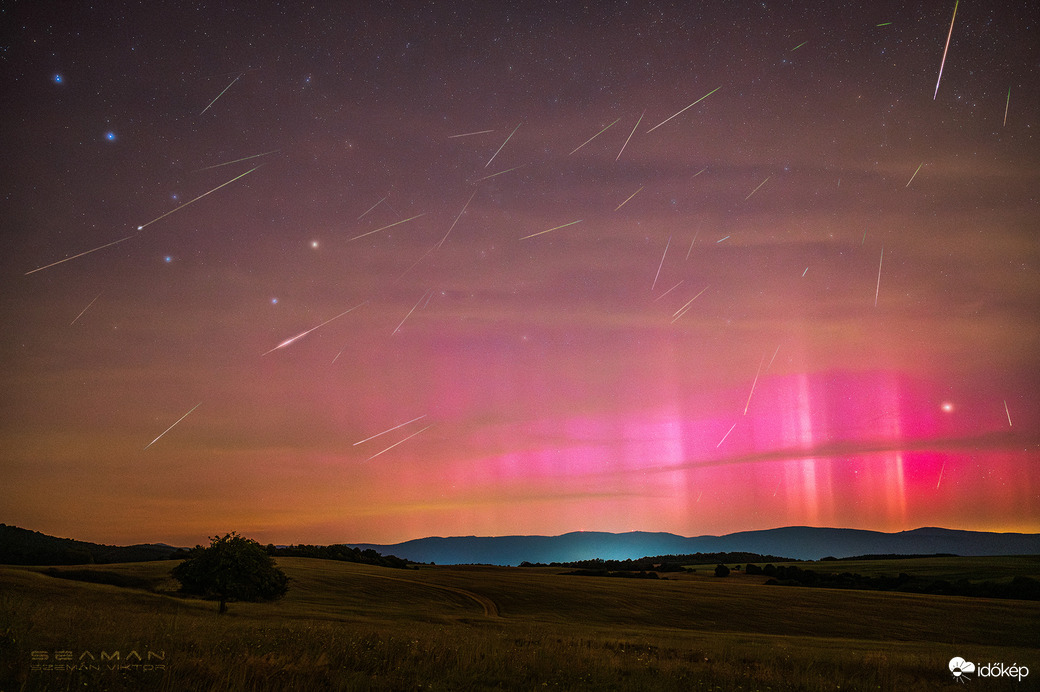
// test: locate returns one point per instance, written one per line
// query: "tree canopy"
(232, 568)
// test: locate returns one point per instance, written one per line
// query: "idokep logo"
(960, 669)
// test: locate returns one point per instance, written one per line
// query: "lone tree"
(232, 568)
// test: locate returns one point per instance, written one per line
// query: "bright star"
(167, 259)
(110, 136)
(58, 79)
(314, 243)
(947, 407)
(274, 301)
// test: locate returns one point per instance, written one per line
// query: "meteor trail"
(630, 135)
(389, 430)
(665, 254)
(244, 158)
(629, 197)
(88, 307)
(682, 311)
(757, 188)
(467, 134)
(757, 373)
(87, 252)
(222, 93)
(913, 176)
(1007, 412)
(593, 137)
(684, 109)
(488, 177)
(305, 333)
(798, 46)
(556, 228)
(383, 228)
(396, 329)
(172, 426)
(691, 245)
(725, 436)
(943, 63)
(774, 357)
(669, 290)
(397, 443)
(143, 226)
(878, 289)
(503, 145)
(457, 218)
(371, 208)
(1006, 106)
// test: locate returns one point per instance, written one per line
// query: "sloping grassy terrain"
(345, 626)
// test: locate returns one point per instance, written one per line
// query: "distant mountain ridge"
(800, 542)
(24, 547)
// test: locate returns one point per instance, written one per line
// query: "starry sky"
(373, 271)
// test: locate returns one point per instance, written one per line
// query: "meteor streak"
(87, 252)
(305, 333)
(244, 158)
(371, 208)
(389, 430)
(84, 309)
(757, 188)
(692, 241)
(458, 217)
(383, 228)
(467, 134)
(222, 93)
(684, 109)
(753, 384)
(1006, 106)
(556, 228)
(943, 63)
(630, 135)
(172, 426)
(396, 329)
(878, 289)
(669, 290)
(143, 226)
(1007, 412)
(682, 311)
(725, 436)
(665, 254)
(402, 441)
(488, 177)
(503, 145)
(913, 176)
(593, 136)
(629, 197)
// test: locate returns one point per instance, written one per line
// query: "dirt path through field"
(489, 606)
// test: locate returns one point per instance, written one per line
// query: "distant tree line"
(24, 547)
(879, 556)
(1020, 587)
(642, 574)
(660, 563)
(340, 552)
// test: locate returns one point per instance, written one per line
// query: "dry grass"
(355, 627)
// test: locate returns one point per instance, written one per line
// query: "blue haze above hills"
(798, 542)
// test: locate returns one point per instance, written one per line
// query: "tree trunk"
(223, 607)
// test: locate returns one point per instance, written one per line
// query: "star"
(110, 136)
(58, 79)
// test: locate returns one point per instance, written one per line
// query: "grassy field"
(344, 626)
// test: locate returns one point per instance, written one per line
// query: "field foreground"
(345, 626)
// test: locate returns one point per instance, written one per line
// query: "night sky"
(377, 271)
